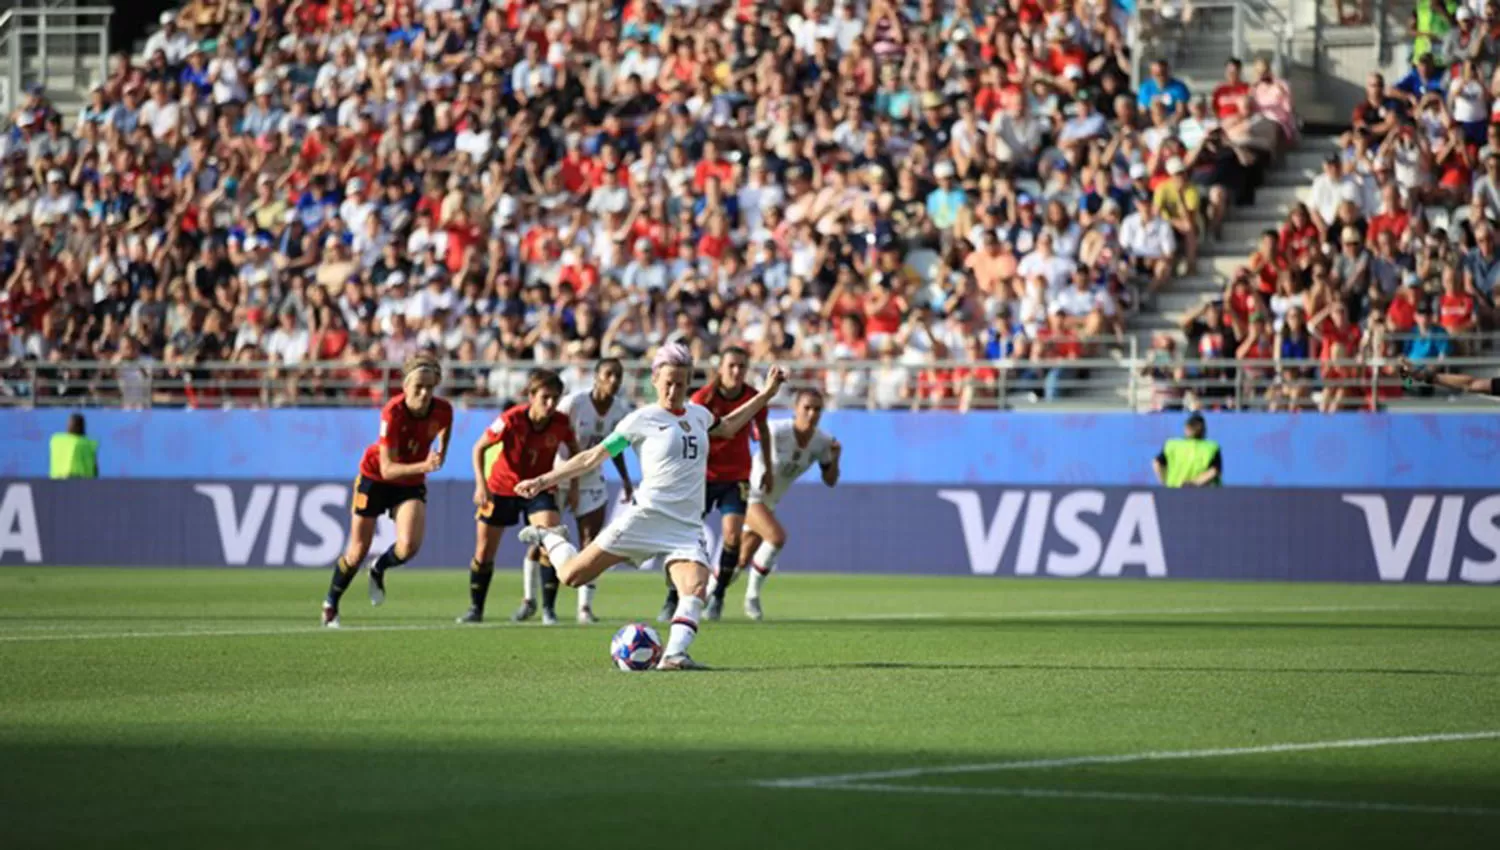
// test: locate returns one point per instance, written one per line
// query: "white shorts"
(767, 500)
(591, 499)
(640, 534)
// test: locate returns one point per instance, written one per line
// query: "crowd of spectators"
(1393, 254)
(328, 185)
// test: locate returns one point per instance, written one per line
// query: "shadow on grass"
(373, 794)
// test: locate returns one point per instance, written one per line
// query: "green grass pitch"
(160, 708)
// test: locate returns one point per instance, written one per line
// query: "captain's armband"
(616, 444)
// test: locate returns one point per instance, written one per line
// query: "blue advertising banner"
(1260, 449)
(1448, 536)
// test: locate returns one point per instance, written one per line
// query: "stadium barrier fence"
(1113, 375)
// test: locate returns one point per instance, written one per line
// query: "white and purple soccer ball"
(635, 647)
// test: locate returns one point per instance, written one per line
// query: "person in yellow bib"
(73, 454)
(1191, 460)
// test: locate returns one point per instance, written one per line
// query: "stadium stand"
(942, 204)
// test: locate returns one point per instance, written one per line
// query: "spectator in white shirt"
(171, 41)
(1086, 311)
(57, 204)
(1044, 263)
(1330, 189)
(1149, 243)
(644, 273)
(288, 343)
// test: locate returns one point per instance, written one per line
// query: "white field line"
(856, 618)
(1122, 758)
(1177, 799)
(1111, 612)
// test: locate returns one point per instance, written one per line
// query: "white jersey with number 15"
(673, 448)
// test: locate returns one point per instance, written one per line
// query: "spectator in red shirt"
(1056, 343)
(1229, 96)
(712, 165)
(1392, 218)
(1457, 309)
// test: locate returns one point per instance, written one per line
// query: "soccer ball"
(635, 647)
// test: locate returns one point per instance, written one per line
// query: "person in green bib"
(1430, 22)
(1191, 460)
(73, 454)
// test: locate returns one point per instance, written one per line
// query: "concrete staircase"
(1286, 184)
(61, 45)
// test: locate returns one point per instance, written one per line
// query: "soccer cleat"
(377, 586)
(752, 610)
(535, 535)
(525, 612)
(586, 617)
(549, 617)
(715, 608)
(471, 616)
(680, 662)
(330, 616)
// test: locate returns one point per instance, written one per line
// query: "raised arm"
(573, 467)
(731, 424)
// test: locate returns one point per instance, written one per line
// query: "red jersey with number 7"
(729, 457)
(407, 435)
(527, 450)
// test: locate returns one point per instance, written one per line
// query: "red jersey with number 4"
(729, 458)
(526, 449)
(408, 436)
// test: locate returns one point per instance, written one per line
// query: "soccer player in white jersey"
(796, 444)
(595, 413)
(671, 439)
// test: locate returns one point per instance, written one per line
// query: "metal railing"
(45, 45)
(1104, 383)
(1246, 16)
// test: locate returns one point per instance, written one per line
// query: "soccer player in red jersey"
(728, 473)
(529, 436)
(393, 480)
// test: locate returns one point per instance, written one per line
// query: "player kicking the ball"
(671, 437)
(529, 435)
(393, 480)
(728, 488)
(795, 444)
(595, 413)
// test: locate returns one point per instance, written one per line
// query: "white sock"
(713, 584)
(684, 625)
(760, 568)
(559, 550)
(531, 574)
(586, 597)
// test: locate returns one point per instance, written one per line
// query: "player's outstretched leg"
(691, 580)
